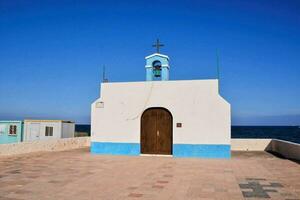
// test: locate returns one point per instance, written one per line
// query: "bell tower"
(157, 65)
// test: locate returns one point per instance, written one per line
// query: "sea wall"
(250, 144)
(46, 145)
(286, 149)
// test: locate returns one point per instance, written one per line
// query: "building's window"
(49, 131)
(12, 130)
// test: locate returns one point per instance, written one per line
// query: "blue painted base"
(179, 150)
(113, 148)
(201, 150)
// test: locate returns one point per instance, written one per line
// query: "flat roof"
(48, 120)
(163, 82)
(10, 121)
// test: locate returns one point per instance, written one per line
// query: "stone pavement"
(77, 174)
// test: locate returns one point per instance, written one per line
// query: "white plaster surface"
(250, 144)
(204, 114)
(46, 145)
(68, 130)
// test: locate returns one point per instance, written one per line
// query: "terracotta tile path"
(77, 175)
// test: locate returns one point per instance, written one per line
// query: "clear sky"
(52, 53)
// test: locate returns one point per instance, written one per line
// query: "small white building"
(47, 129)
(185, 118)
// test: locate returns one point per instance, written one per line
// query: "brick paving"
(78, 175)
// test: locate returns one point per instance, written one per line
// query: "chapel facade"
(182, 118)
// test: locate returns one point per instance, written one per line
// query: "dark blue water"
(288, 133)
(83, 128)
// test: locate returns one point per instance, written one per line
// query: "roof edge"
(48, 120)
(157, 54)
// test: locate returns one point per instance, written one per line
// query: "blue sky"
(52, 53)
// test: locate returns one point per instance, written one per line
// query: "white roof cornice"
(157, 54)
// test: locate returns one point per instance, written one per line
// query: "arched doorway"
(156, 131)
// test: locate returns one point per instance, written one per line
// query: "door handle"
(157, 132)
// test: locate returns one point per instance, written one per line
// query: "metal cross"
(157, 45)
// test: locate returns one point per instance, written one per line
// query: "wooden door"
(156, 132)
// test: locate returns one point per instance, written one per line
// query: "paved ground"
(77, 175)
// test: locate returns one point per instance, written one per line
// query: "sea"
(288, 133)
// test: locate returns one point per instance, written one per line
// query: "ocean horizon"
(287, 133)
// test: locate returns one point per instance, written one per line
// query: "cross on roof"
(157, 45)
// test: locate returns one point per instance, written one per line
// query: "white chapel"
(159, 116)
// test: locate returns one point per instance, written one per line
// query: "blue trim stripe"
(201, 150)
(113, 148)
(179, 150)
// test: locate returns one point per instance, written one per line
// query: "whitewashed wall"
(250, 144)
(68, 130)
(44, 145)
(205, 115)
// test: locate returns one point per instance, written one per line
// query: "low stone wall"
(250, 144)
(47, 145)
(287, 149)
